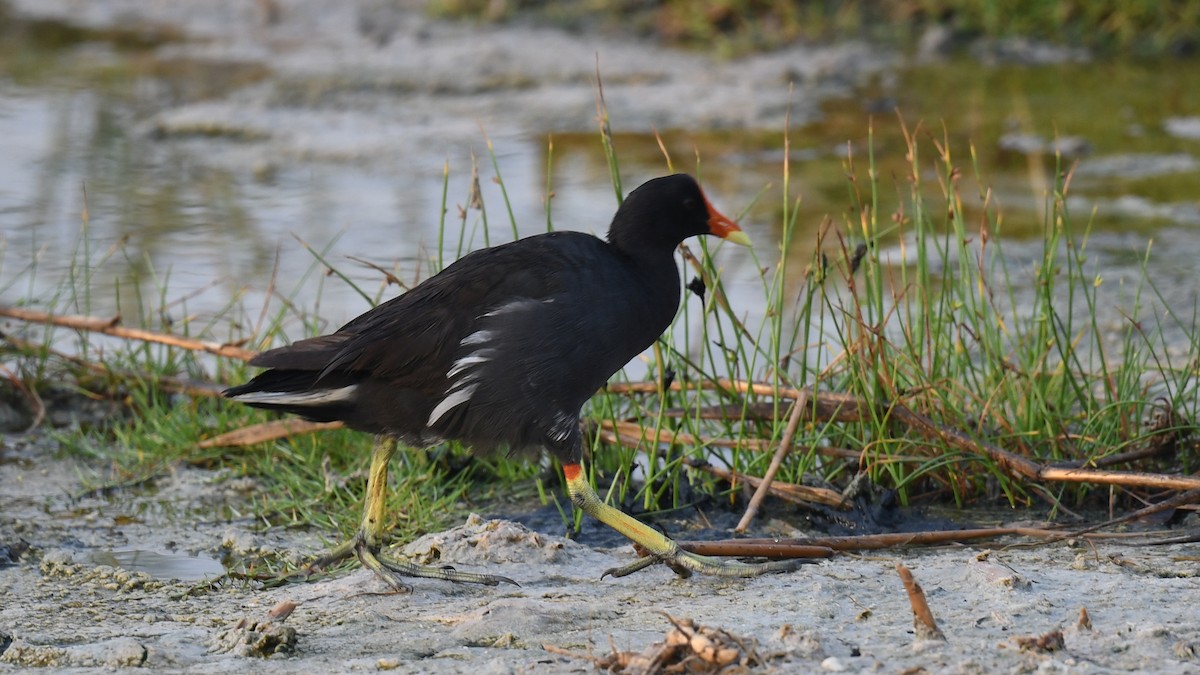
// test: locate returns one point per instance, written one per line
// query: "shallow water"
(202, 158)
(158, 564)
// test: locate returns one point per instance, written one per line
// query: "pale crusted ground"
(62, 611)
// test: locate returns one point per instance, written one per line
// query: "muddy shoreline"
(62, 611)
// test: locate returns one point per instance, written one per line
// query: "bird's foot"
(684, 563)
(654, 545)
(391, 569)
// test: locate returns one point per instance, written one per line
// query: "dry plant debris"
(687, 648)
(1050, 642)
(924, 625)
(259, 638)
(1085, 620)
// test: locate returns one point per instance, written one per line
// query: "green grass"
(951, 332)
(1012, 354)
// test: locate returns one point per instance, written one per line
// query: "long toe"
(684, 563)
(733, 568)
(405, 568)
(342, 552)
(390, 570)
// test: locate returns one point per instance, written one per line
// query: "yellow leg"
(660, 547)
(366, 543)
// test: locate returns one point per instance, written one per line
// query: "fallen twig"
(798, 494)
(1126, 478)
(783, 547)
(267, 431)
(756, 548)
(112, 327)
(812, 547)
(1182, 499)
(166, 383)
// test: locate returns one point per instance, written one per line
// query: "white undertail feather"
(317, 397)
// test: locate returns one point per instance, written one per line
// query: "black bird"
(501, 349)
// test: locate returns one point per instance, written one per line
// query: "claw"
(635, 566)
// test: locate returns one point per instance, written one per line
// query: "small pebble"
(833, 664)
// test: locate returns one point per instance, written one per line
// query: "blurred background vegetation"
(1141, 27)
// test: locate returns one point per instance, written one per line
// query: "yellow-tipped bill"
(724, 227)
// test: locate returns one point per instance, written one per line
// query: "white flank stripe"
(315, 398)
(468, 361)
(563, 426)
(463, 381)
(507, 307)
(477, 338)
(452, 400)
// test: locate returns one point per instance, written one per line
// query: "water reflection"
(181, 566)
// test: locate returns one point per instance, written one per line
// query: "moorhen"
(501, 349)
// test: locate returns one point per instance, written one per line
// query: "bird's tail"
(299, 392)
